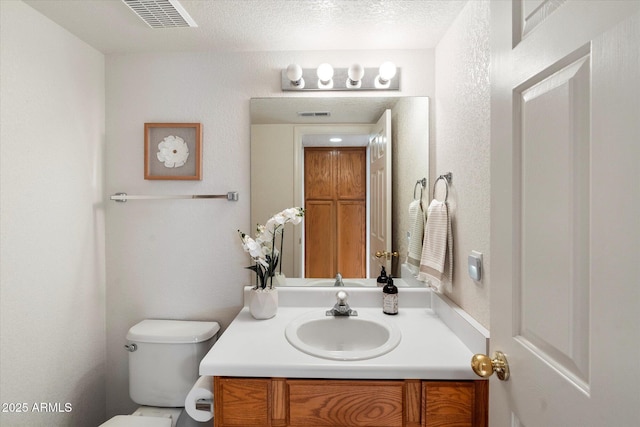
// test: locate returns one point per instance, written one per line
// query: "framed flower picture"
(173, 151)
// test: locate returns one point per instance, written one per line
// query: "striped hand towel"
(437, 249)
(416, 235)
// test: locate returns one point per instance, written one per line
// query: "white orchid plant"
(263, 249)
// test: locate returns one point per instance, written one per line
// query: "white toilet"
(164, 357)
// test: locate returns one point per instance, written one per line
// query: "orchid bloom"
(263, 248)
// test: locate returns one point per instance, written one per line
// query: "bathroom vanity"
(371, 403)
(261, 379)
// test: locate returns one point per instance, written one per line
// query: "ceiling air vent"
(314, 113)
(161, 13)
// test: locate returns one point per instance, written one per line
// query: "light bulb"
(294, 74)
(355, 73)
(325, 74)
(386, 72)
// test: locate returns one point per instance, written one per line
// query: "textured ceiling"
(260, 25)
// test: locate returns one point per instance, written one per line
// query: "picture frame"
(173, 151)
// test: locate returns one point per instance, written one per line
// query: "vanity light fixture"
(335, 139)
(327, 78)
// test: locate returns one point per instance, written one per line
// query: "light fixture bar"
(340, 77)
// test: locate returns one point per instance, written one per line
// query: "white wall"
(272, 189)
(410, 163)
(461, 146)
(52, 271)
(182, 258)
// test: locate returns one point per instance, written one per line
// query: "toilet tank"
(164, 363)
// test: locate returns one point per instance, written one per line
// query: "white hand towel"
(437, 249)
(416, 235)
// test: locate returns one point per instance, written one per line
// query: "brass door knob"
(386, 255)
(484, 366)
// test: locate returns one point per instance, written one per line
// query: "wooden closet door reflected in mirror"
(335, 218)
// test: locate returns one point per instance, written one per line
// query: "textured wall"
(272, 168)
(461, 146)
(410, 163)
(52, 229)
(182, 258)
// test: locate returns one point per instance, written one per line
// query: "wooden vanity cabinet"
(274, 402)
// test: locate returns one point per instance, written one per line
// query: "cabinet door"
(351, 183)
(351, 238)
(345, 403)
(455, 403)
(320, 235)
(241, 403)
(319, 174)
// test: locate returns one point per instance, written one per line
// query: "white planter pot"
(263, 303)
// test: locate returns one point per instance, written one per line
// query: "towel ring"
(423, 183)
(447, 179)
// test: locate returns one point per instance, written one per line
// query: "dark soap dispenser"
(382, 278)
(390, 297)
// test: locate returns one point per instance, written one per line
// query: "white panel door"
(565, 212)
(380, 195)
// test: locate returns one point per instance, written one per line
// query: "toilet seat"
(137, 421)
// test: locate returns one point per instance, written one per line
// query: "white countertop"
(299, 282)
(429, 349)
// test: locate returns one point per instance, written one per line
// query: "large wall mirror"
(325, 140)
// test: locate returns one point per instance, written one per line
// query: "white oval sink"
(332, 282)
(342, 337)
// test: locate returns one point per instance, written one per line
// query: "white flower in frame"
(173, 152)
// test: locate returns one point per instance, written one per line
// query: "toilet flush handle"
(131, 347)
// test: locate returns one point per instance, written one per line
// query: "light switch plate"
(474, 266)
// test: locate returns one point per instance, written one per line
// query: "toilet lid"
(134, 421)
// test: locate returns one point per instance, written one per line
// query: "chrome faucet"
(339, 281)
(341, 308)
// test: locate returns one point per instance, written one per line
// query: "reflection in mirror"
(331, 133)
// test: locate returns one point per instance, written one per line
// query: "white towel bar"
(231, 196)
